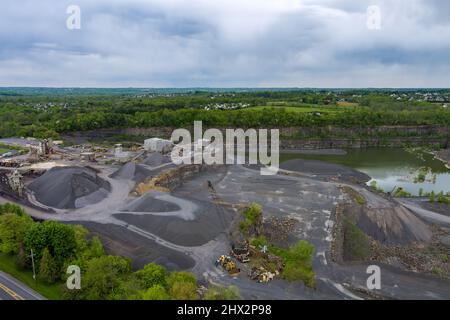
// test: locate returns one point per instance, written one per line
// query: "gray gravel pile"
(148, 204)
(131, 171)
(155, 159)
(394, 226)
(164, 219)
(69, 187)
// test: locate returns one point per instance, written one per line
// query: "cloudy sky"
(225, 43)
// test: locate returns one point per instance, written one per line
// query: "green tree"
(432, 197)
(181, 276)
(97, 249)
(222, 293)
(11, 208)
(82, 244)
(48, 270)
(130, 288)
(12, 231)
(182, 286)
(103, 277)
(297, 261)
(183, 291)
(253, 220)
(157, 292)
(85, 250)
(58, 238)
(21, 258)
(152, 274)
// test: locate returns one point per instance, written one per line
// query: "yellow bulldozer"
(228, 264)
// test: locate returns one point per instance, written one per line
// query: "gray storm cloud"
(253, 43)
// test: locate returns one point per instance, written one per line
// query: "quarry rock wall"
(316, 137)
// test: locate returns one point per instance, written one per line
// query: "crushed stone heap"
(69, 187)
(131, 171)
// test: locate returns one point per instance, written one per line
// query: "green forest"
(48, 113)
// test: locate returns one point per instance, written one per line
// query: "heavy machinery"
(261, 275)
(243, 257)
(228, 264)
(239, 250)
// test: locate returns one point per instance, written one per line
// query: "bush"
(21, 258)
(297, 260)
(222, 293)
(85, 250)
(13, 229)
(259, 242)
(182, 286)
(152, 275)
(181, 276)
(183, 291)
(48, 270)
(442, 198)
(103, 276)
(157, 292)
(373, 185)
(253, 219)
(401, 193)
(11, 208)
(58, 238)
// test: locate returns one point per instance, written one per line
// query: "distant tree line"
(48, 116)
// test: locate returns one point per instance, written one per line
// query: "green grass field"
(8, 265)
(306, 108)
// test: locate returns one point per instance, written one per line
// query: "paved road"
(12, 289)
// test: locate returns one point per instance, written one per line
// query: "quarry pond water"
(390, 168)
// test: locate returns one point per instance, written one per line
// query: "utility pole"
(32, 263)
